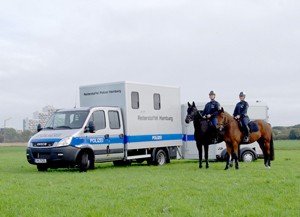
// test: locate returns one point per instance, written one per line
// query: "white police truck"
(121, 122)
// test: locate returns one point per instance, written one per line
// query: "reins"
(225, 122)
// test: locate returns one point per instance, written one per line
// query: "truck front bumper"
(55, 157)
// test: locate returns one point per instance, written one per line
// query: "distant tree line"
(292, 133)
(10, 135)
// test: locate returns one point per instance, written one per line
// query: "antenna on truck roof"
(75, 106)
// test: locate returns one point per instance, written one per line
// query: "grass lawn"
(176, 189)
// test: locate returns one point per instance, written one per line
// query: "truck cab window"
(114, 120)
(98, 117)
(156, 101)
(135, 104)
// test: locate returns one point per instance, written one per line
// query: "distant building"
(39, 117)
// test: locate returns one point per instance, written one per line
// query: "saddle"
(253, 127)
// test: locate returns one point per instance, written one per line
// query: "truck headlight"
(29, 144)
(63, 142)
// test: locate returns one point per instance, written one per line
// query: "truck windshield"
(67, 120)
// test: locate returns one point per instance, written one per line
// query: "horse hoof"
(207, 166)
(267, 166)
(236, 168)
(200, 166)
(226, 168)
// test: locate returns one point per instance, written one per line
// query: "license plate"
(40, 161)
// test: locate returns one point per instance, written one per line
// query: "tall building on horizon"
(38, 117)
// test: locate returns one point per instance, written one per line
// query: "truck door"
(99, 139)
(108, 139)
(116, 134)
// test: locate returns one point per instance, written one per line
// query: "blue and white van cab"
(78, 137)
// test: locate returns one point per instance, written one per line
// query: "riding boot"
(247, 133)
(215, 136)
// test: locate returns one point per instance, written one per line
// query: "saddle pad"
(253, 127)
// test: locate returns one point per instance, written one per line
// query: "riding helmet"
(242, 94)
(212, 93)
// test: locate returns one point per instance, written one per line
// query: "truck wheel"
(84, 162)
(42, 167)
(160, 157)
(248, 156)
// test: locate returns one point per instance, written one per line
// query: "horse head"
(222, 120)
(192, 112)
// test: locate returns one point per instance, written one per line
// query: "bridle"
(191, 117)
(224, 123)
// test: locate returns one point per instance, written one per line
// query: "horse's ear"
(194, 104)
(222, 109)
(189, 105)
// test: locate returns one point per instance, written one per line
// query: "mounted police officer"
(210, 112)
(240, 114)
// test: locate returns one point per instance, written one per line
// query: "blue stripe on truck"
(151, 138)
(186, 137)
(45, 140)
(101, 140)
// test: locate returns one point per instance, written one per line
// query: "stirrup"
(246, 139)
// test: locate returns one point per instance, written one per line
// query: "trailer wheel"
(160, 157)
(84, 162)
(42, 167)
(248, 156)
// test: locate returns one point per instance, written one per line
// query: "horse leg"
(199, 146)
(206, 155)
(236, 154)
(229, 151)
(231, 159)
(268, 161)
(263, 147)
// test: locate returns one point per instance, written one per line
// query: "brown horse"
(233, 138)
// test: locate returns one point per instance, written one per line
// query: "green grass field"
(177, 189)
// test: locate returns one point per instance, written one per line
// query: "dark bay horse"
(202, 133)
(233, 138)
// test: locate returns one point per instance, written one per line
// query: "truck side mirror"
(39, 127)
(91, 127)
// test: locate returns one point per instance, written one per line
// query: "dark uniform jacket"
(211, 108)
(241, 109)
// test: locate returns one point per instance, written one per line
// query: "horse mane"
(229, 116)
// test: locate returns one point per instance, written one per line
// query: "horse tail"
(272, 154)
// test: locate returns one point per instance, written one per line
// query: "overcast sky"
(50, 48)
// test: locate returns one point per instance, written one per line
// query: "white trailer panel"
(151, 113)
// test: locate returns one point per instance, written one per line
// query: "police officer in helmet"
(240, 114)
(210, 112)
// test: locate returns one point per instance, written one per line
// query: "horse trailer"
(247, 152)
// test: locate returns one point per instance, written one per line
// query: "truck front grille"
(42, 144)
(44, 155)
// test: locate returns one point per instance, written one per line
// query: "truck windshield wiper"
(64, 127)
